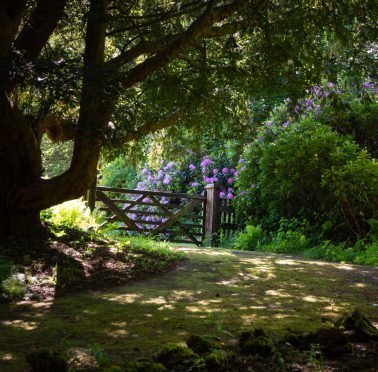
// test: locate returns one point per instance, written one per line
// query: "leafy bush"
(354, 190)
(249, 239)
(14, 286)
(307, 170)
(73, 213)
(119, 173)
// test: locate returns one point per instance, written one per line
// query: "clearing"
(215, 291)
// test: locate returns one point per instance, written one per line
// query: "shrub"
(249, 239)
(73, 213)
(354, 190)
(306, 170)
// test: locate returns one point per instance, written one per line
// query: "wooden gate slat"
(170, 221)
(117, 211)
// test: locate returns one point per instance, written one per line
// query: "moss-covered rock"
(216, 359)
(178, 357)
(362, 328)
(203, 344)
(44, 360)
(256, 342)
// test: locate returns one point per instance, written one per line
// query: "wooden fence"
(175, 217)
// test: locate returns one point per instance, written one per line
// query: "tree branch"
(34, 35)
(197, 30)
(10, 17)
(152, 47)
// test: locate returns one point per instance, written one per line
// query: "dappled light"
(213, 292)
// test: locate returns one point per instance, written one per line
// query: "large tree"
(82, 64)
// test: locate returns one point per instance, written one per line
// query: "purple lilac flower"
(133, 216)
(242, 169)
(192, 167)
(222, 194)
(208, 179)
(241, 193)
(144, 171)
(368, 85)
(286, 124)
(230, 196)
(146, 200)
(194, 184)
(309, 105)
(215, 171)
(150, 178)
(330, 84)
(236, 173)
(241, 161)
(171, 164)
(230, 189)
(206, 162)
(215, 179)
(232, 170)
(230, 180)
(225, 170)
(269, 125)
(166, 181)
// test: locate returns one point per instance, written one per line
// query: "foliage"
(119, 173)
(299, 167)
(74, 213)
(250, 238)
(354, 188)
(55, 157)
(292, 237)
(14, 287)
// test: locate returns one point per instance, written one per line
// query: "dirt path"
(215, 292)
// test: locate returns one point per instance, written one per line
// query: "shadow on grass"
(215, 292)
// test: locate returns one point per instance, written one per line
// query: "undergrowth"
(297, 241)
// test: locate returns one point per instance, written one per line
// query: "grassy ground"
(215, 292)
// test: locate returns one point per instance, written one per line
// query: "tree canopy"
(107, 72)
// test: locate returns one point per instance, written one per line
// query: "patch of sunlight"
(333, 307)
(129, 298)
(229, 283)
(345, 267)
(184, 295)
(313, 299)
(277, 293)
(256, 307)
(27, 326)
(205, 252)
(166, 307)
(117, 333)
(359, 285)
(155, 301)
(7, 357)
(119, 324)
(281, 316)
(286, 262)
(40, 305)
(195, 309)
(208, 302)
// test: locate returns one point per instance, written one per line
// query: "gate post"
(212, 217)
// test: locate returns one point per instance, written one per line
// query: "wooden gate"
(170, 216)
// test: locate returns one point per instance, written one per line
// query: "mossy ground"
(215, 292)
